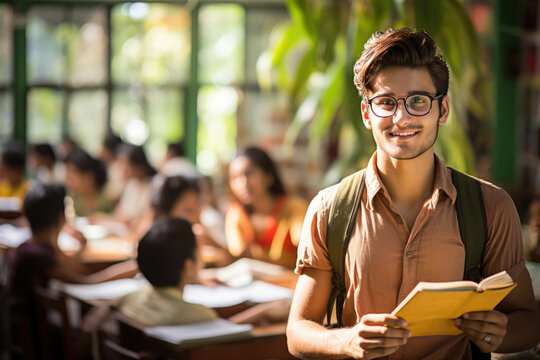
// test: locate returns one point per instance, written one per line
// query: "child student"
(39, 258)
(13, 182)
(168, 259)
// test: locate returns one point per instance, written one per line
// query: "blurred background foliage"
(312, 57)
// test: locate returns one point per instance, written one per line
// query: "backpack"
(470, 213)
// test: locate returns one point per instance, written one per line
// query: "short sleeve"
(504, 247)
(312, 249)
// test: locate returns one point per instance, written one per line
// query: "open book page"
(495, 281)
(430, 308)
(206, 332)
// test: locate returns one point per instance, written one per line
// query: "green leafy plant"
(312, 57)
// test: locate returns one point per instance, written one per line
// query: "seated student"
(137, 173)
(212, 218)
(13, 182)
(42, 161)
(85, 180)
(178, 196)
(175, 162)
(264, 222)
(109, 155)
(168, 259)
(39, 258)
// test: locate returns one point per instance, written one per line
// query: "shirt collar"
(442, 182)
(170, 291)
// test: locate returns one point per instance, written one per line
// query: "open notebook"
(206, 332)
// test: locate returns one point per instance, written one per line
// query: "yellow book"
(431, 307)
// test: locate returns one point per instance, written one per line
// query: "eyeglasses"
(415, 104)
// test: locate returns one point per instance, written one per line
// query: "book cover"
(430, 308)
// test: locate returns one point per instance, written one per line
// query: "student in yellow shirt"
(13, 182)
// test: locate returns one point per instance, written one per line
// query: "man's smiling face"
(403, 136)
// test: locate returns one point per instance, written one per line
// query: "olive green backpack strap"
(340, 226)
(471, 215)
(472, 222)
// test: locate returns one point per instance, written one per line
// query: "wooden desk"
(268, 342)
(265, 342)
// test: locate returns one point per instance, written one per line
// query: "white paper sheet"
(11, 236)
(223, 296)
(241, 272)
(217, 329)
(109, 290)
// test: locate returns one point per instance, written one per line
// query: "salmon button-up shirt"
(385, 260)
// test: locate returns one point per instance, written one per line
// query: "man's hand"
(485, 328)
(375, 336)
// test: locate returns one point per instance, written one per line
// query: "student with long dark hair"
(85, 180)
(264, 222)
(138, 174)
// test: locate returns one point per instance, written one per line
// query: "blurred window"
(126, 67)
(6, 58)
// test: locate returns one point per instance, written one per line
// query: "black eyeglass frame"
(431, 97)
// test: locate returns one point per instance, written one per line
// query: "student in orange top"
(264, 222)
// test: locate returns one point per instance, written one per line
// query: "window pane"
(87, 118)
(5, 45)
(67, 44)
(44, 116)
(87, 46)
(221, 54)
(45, 33)
(6, 115)
(165, 120)
(260, 23)
(151, 43)
(128, 115)
(217, 127)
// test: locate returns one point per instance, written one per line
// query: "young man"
(406, 229)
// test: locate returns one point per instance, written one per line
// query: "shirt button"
(409, 254)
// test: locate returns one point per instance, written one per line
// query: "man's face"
(403, 136)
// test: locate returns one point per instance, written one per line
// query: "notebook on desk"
(207, 332)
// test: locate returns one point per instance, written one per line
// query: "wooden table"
(263, 342)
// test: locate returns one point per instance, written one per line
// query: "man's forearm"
(309, 340)
(523, 331)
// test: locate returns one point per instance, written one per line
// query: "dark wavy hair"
(137, 157)
(170, 190)
(164, 249)
(13, 155)
(44, 150)
(401, 47)
(85, 163)
(259, 158)
(112, 142)
(43, 205)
